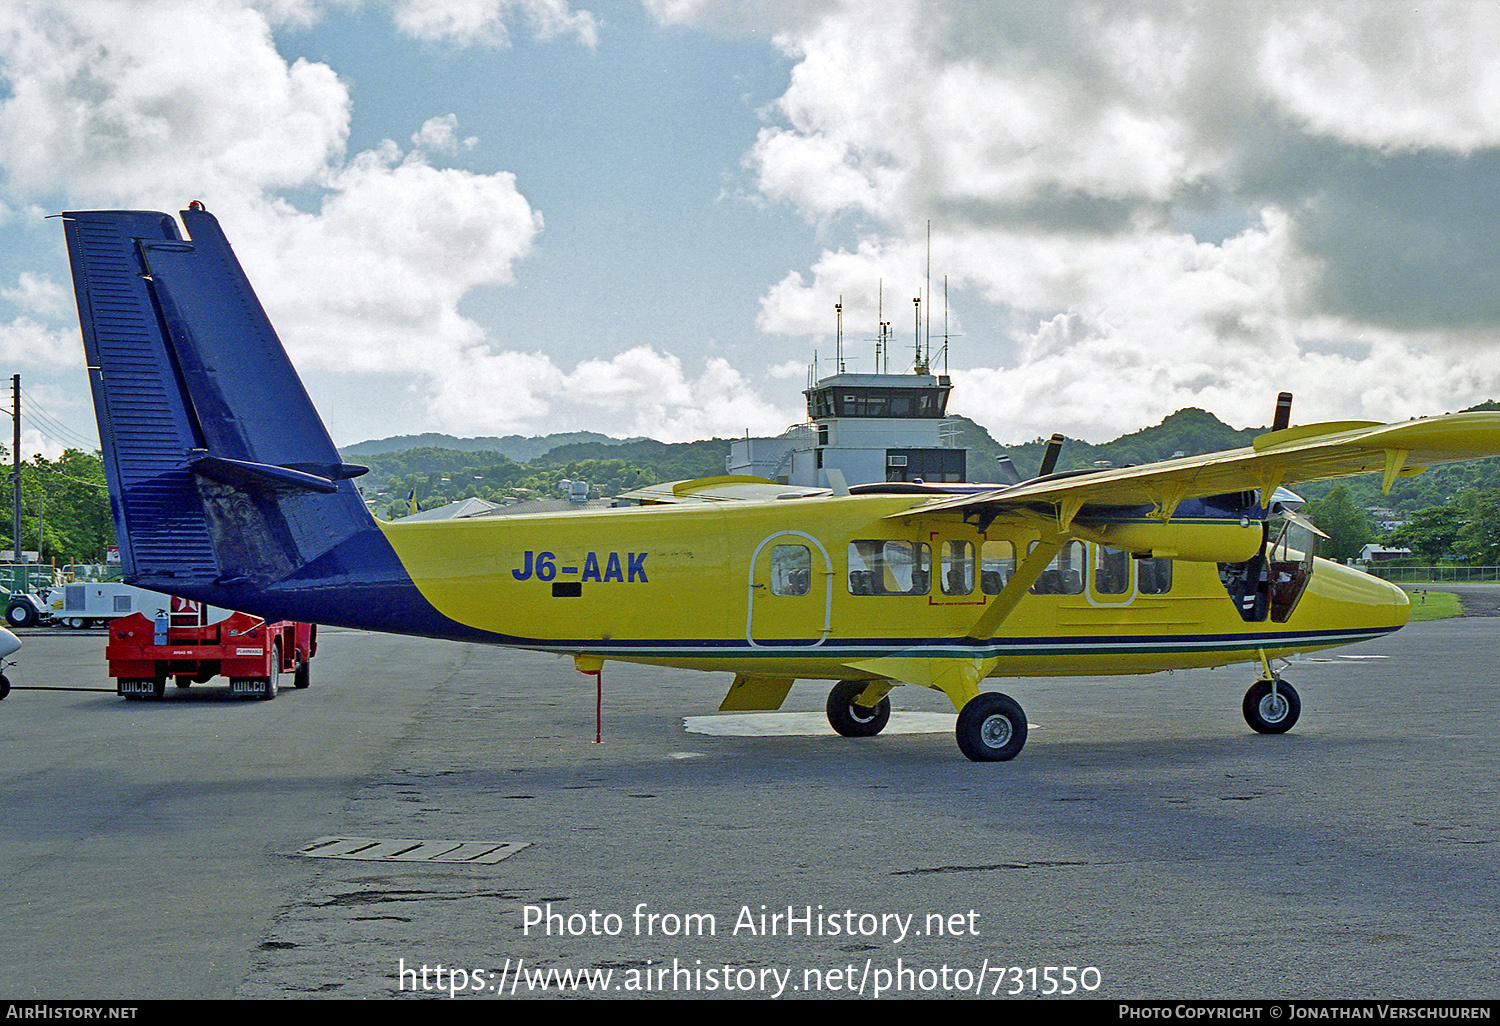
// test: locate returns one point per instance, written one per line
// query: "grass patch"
(1438, 605)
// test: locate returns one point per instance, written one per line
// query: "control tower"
(871, 427)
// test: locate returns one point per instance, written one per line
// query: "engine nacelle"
(1196, 541)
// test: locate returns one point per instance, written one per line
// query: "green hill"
(494, 468)
(522, 448)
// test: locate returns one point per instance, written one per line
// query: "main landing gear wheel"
(991, 728)
(853, 720)
(4, 685)
(1269, 713)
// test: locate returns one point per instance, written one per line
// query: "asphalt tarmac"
(1145, 837)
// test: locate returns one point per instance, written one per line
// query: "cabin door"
(791, 592)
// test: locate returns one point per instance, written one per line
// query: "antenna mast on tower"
(838, 334)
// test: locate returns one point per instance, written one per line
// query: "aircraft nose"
(1402, 603)
(1358, 599)
(1386, 602)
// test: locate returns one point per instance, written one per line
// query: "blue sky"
(496, 216)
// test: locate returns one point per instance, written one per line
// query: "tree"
(1479, 538)
(68, 497)
(1347, 525)
(1432, 533)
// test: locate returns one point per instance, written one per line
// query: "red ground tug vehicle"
(187, 647)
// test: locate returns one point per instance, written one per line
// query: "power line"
(54, 429)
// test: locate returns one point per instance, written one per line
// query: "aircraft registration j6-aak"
(226, 488)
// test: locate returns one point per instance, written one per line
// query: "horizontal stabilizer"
(260, 476)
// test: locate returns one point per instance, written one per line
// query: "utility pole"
(19, 583)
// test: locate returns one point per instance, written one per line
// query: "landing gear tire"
(4, 686)
(991, 728)
(20, 614)
(183, 680)
(1269, 713)
(852, 720)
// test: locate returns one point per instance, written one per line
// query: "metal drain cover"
(407, 849)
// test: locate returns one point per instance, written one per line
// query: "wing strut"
(1025, 576)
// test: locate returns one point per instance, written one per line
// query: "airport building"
(870, 427)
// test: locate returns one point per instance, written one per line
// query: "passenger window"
(1111, 571)
(878, 567)
(997, 561)
(1153, 576)
(791, 570)
(958, 568)
(1065, 574)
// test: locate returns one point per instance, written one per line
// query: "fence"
(1432, 574)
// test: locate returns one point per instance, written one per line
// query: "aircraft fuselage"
(807, 588)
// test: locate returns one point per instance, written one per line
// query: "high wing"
(724, 488)
(1311, 452)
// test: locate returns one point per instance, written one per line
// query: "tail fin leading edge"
(145, 426)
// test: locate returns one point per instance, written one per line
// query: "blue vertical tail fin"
(224, 483)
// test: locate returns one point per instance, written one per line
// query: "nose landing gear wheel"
(991, 728)
(1269, 713)
(852, 720)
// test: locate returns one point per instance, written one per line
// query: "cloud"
(486, 22)
(1387, 76)
(26, 342)
(388, 258)
(1150, 206)
(440, 135)
(38, 294)
(788, 370)
(368, 273)
(108, 106)
(637, 392)
(114, 100)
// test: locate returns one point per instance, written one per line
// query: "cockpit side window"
(1272, 581)
(1290, 558)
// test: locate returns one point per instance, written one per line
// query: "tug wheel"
(272, 684)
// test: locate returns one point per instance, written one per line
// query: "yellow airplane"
(226, 488)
